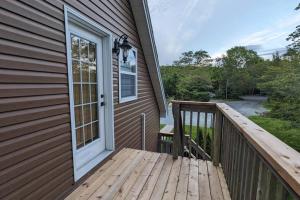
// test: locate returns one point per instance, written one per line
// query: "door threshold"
(91, 164)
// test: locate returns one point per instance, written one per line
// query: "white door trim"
(74, 17)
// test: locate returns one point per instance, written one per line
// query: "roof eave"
(143, 22)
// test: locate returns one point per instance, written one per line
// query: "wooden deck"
(136, 174)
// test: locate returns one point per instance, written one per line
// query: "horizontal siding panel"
(17, 130)
(29, 64)
(20, 103)
(34, 173)
(17, 21)
(52, 185)
(18, 35)
(14, 76)
(45, 8)
(26, 165)
(19, 90)
(16, 117)
(33, 150)
(32, 14)
(18, 49)
(64, 169)
(33, 138)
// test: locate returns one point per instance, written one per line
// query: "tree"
(201, 57)
(294, 37)
(233, 77)
(186, 58)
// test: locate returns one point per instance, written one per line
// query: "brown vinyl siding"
(35, 134)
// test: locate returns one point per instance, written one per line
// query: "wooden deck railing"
(256, 164)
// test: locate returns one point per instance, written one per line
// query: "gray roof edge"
(143, 22)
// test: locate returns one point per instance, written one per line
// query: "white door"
(87, 107)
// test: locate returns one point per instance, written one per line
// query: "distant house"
(71, 95)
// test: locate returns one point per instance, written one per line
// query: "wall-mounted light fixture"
(125, 46)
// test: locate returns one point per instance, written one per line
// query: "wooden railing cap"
(284, 159)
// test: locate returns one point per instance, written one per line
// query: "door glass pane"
(79, 138)
(87, 114)
(85, 72)
(93, 74)
(76, 71)
(77, 94)
(78, 116)
(95, 130)
(85, 86)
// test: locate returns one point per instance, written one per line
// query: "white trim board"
(143, 23)
(131, 98)
(74, 17)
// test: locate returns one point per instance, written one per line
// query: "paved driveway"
(249, 106)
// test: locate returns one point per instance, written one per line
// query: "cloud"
(174, 23)
(271, 37)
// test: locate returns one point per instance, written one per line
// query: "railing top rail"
(284, 160)
(196, 106)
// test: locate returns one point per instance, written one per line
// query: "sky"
(218, 25)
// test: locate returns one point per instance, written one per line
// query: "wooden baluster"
(243, 168)
(254, 175)
(212, 128)
(260, 181)
(205, 133)
(247, 175)
(190, 133)
(198, 128)
(176, 113)
(217, 138)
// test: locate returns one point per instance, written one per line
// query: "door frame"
(74, 17)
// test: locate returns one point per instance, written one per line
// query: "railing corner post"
(176, 138)
(217, 138)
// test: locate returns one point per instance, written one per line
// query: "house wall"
(35, 134)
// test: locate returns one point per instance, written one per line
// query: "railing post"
(217, 137)
(177, 140)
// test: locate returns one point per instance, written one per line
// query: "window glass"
(85, 86)
(128, 76)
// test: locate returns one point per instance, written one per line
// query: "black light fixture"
(125, 46)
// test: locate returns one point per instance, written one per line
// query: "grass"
(161, 126)
(282, 129)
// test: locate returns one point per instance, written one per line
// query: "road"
(248, 106)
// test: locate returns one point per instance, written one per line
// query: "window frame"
(129, 98)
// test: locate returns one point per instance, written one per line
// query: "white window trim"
(75, 17)
(131, 98)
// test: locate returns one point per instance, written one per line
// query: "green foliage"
(295, 36)
(237, 73)
(187, 83)
(161, 126)
(282, 129)
(198, 58)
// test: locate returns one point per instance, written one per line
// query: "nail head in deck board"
(170, 190)
(129, 182)
(182, 186)
(158, 175)
(223, 183)
(204, 187)
(150, 184)
(215, 186)
(114, 182)
(100, 175)
(139, 184)
(160, 185)
(193, 187)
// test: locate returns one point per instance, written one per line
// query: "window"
(85, 90)
(128, 76)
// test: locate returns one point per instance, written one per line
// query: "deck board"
(135, 174)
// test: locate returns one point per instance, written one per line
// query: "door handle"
(102, 104)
